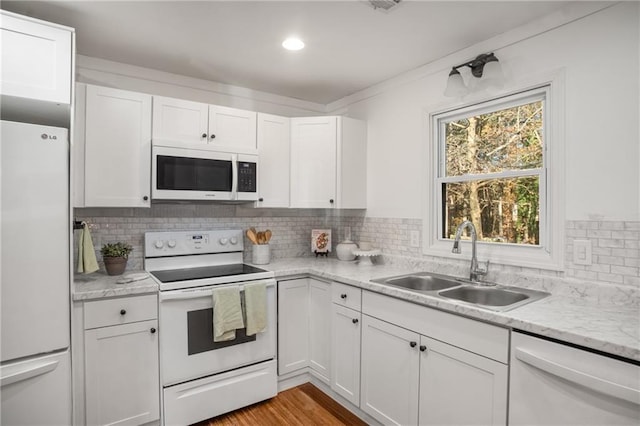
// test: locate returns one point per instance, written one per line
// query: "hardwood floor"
(303, 405)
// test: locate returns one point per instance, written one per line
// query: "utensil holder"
(261, 254)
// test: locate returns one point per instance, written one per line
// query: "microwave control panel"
(247, 176)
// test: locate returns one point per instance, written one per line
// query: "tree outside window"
(492, 169)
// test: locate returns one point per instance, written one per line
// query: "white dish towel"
(227, 313)
(255, 303)
(87, 262)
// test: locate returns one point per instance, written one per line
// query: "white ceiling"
(349, 45)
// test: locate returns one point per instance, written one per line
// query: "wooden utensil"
(267, 235)
(260, 236)
(251, 234)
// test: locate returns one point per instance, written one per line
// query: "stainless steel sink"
(485, 295)
(421, 282)
(493, 297)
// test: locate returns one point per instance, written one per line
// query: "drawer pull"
(123, 311)
(153, 330)
(343, 296)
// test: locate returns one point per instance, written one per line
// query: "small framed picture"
(321, 241)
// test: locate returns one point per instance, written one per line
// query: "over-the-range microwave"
(190, 173)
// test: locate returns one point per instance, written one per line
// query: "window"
(491, 167)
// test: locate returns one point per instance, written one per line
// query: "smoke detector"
(383, 5)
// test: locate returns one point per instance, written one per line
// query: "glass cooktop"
(204, 272)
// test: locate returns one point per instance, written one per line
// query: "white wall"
(129, 77)
(599, 57)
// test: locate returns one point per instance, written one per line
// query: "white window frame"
(547, 255)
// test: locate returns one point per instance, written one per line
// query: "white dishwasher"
(556, 384)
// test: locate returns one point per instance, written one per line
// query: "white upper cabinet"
(180, 120)
(328, 163)
(36, 59)
(231, 127)
(210, 126)
(274, 153)
(113, 138)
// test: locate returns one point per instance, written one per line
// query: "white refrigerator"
(35, 370)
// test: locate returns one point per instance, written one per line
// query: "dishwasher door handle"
(589, 381)
(29, 371)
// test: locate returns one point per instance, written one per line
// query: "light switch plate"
(582, 252)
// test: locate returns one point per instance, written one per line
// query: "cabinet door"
(273, 169)
(117, 148)
(232, 128)
(180, 121)
(320, 328)
(313, 162)
(36, 59)
(459, 387)
(293, 325)
(122, 374)
(390, 364)
(345, 353)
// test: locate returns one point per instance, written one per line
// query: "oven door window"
(193, 174)
(200, 333)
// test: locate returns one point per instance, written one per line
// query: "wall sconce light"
(485, 67)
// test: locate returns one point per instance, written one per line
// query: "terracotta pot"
(115, 265)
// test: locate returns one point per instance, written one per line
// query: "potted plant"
(115, 257)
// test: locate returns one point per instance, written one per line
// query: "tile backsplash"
(615, 244)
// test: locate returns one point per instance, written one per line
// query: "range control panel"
(175, 243)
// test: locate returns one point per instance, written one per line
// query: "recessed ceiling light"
(293, 43)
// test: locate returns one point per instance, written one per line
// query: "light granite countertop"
(608, 327)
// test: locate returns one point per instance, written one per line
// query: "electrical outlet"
(582, 252)
(415, 238)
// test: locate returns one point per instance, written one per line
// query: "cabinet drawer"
(102, 313)
(346, 295)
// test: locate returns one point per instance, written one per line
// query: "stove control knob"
(234, 240)
(159, 244)
(171, 243)
(224, 241)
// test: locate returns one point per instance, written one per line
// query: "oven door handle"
(200, 292)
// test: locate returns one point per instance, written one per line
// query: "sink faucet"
(476, 271)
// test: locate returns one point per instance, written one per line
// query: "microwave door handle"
(234, 180)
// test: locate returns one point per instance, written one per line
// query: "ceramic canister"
(345, 249)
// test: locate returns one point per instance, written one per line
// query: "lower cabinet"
(345, 354)
(410, 378)
(304, 326)
(390, 372)
(116, 365)
(122, 374)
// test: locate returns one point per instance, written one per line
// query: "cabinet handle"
(204, 135)
(343, 296)
(355, 320)
(423, 348)
(413, 344)
(260, 199)
(145, 198)
(331, 201)
(153, 330)
(213, 136)
(123, 311)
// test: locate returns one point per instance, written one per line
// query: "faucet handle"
(481, 270)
